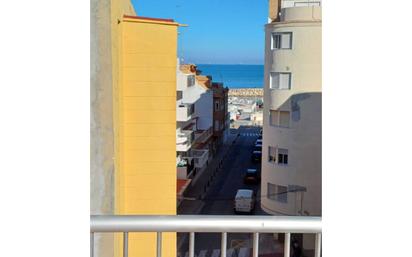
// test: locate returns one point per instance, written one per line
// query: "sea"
(234, 75)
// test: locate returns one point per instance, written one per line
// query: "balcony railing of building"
(184, 140)
(185, 111)
(300, 3)
(203, 136)
(185, 167)
(200, 157)
(208, 223)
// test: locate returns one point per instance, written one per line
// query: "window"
(284, 118)
(277, 193)
(278, 155)
(276, 41)
(280, 80)
(179, 95)
(190, 80)
(279, 118)
(272, 154)
(217, 106)
(282, 156)
(216, 125)
(282, 40)
(274, 118)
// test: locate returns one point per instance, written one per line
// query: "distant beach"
(234, 75)
(246, 92)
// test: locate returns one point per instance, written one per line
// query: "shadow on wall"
(295, 102)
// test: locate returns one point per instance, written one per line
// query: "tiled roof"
(204, 81)
(188, 68)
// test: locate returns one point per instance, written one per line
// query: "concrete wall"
(203, 100)
(102, 82)
(101, 121)
(303, 101)
(204, 110)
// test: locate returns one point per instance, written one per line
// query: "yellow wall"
(146, 134)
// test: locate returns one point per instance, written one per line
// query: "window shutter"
(284, 81)
(274, 117)
(286, 40)
(284, 119)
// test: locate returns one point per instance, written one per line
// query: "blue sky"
(219, 32)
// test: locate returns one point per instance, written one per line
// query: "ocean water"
(233, 75)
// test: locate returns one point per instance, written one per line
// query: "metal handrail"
(208, 223)
(205, 223)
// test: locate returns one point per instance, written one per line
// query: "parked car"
(257, 147)
(256, 156)
(244, 201)
(251, 176)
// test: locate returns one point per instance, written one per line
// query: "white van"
(244, 201)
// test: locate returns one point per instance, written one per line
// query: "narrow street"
(221, 194)
(219, 200)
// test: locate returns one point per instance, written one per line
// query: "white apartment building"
(194, 120)
(292, 140)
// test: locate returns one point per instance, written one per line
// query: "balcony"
(201, 137)
(201, 157)
(192, 224)
(185, 81)
(181, 172)
(184, 112)
(184, 139)
(185, 167)
(300, 3)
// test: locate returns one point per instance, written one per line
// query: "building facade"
(221, 116)
(133, 122)
(194, 120)
(291, 153)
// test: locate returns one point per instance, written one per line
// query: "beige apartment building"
(292, 139)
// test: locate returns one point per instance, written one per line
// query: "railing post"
(192, 244)
(287, 245)
(255, 244)
(91, 244)
(318, 244)
(159, 244)
(223, 245)
(125, 244)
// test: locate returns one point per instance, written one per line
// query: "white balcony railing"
(201, 157)
(181, 172)
(206, 223)
(184, 140)
(184, 111)
(300, 3)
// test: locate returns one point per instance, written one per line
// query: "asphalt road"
(221, 194)
(219, 199)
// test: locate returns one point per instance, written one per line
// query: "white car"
(244, 201)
